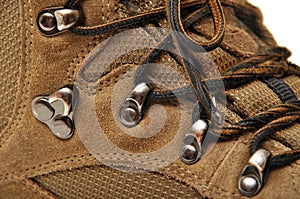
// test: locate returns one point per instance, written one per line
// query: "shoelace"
(119, 24)
(264, 124)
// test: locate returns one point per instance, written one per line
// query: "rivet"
(42, 110)
(189, 152)
(63, 127)
(129, 116)
(47, 21)
(249, 184)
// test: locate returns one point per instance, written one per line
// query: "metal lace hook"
(131, 110)
(191, 149)
(254, 173)
(54, 20)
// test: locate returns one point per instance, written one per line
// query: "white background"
(282, 18)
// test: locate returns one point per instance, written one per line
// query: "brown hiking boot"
(145, 99)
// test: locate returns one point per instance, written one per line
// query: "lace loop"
(174, 14)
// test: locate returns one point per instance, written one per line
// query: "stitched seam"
(199, 181)
(114, 79)
(77, 61)
(224, 159)
(33, 186)
(19, 110)
(110, 79)
(295, 187)
(12, 177)
(58, 162)
(89, 157)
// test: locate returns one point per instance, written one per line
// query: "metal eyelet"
(54, 20)
(131, 110)
(254, 173)
(191, 149)
(57, 110)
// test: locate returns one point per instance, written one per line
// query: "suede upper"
(30, 154)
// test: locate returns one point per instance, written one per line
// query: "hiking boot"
(145, 99)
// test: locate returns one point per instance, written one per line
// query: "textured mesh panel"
(104, 182)
(253, 98)
(256, 97)
(167, 72)
(294, 83)
(222, 59)
(10, 57)
(290, 136)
